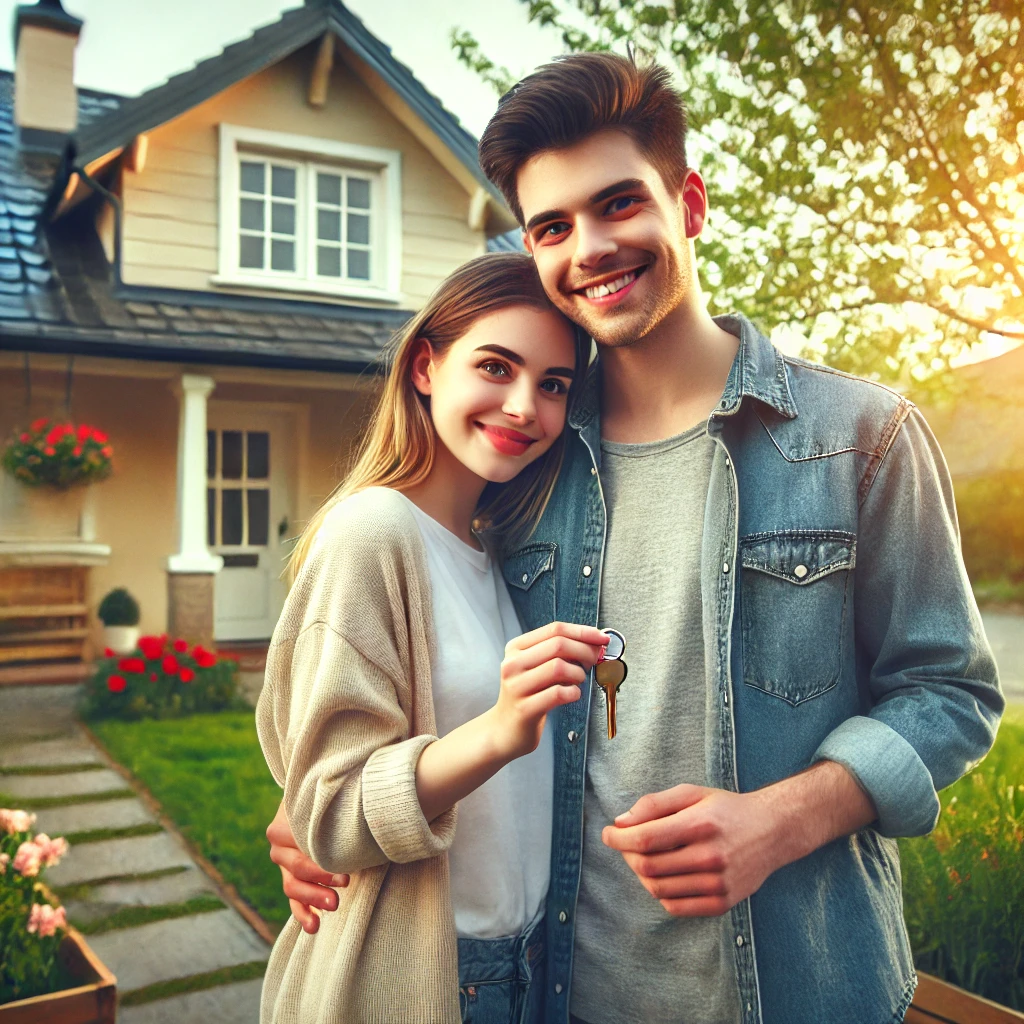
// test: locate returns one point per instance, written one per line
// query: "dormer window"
(311, 215)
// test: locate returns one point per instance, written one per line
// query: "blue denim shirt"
(838, 624)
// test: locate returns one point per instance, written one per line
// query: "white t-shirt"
(500, 857)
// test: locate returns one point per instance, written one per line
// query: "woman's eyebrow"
(515, 357)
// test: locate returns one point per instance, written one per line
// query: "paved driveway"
(1006, 635)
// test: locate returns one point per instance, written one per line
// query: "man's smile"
(611, 290)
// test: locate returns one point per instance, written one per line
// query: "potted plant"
(47, 971)
(119, 613)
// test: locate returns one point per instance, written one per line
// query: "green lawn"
(209, 775)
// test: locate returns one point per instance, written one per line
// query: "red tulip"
(152, 647)
(116, 684)
(170, 664)
(186, 675)
(83, 433)
(107, 652)
(40, 424)
(181, 646)
(99, 437)
(132, 665)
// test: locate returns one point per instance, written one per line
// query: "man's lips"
(506, 440)
(611, 288)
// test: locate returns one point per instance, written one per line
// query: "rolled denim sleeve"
(921, 647)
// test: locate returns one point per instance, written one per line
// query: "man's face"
(609, 240)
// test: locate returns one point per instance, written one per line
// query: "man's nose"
(594, 242)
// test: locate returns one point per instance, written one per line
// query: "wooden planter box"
(92, 1001)
(938, 1002)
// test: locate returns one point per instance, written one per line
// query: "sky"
(127, 46)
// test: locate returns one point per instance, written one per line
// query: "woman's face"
(498, 395)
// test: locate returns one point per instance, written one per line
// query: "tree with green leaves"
(865, 162)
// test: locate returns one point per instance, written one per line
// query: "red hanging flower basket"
(58, 454)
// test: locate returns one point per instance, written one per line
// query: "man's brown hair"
(575, 96)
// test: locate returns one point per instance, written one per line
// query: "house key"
(610, 672)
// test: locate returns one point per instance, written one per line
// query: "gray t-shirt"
(634, 963)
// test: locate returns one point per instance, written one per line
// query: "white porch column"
(192, 555)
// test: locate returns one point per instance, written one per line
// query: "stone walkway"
(105, 876)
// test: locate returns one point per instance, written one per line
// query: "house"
(208, 272)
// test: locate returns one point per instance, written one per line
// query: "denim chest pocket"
(793, 604)
(529, 573)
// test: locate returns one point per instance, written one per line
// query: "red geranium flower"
(40, 424)
(107, 451)
(55, 435)
(49, 450)
(204, 659)
(170, 664)
(132, 665)
(186, 675)
(25, 438)
(181, 646)
(152, 677)
(99, 437)
(116, 684)
(107, 652)
(83, 433)
(152, 647)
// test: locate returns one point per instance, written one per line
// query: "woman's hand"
(542, 670)
(305, 884)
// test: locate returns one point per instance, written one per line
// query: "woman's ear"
(422, 366)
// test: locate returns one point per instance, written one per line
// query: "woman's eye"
(494, 369)
(554, 387)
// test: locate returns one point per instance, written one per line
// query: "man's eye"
(620, 204)
(555, 230)
(494, 369)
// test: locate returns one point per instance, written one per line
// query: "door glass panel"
(231, 454)
(231, 516)
(282, 218)
(251, 218)
(211, 517)
(259, 516)
(359, 264)
(328, 225)
(282, 182)
(211, 454)
(328, 189)
(328, 261)
(359, 228)
(258, 467)
(282, 255)
(359, 193)
(252, 177)
(250, 251)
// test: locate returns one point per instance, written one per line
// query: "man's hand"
(305, 884)
(700, 851)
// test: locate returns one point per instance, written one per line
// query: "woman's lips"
(506, 441)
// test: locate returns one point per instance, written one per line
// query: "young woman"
(398, 630)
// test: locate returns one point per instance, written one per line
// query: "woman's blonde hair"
(400, 442)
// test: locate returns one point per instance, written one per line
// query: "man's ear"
(527, 243)
(693, 199)
(422, 366)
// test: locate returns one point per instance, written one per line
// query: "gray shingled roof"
(57, 290)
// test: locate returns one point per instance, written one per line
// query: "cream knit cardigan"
(344, 715)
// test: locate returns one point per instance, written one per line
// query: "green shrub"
(963, 886)
(160, 679)
(119, 608)
(992, 525)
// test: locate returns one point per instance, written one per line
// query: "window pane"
(259, 516)
(328, 189)
(258, 466)
(250, 251)
(211, 517)
(211, 454)
(282, 181)
(358, 228)
(231, 453)
(359, 264)
(231, 517)
(328, 261)
(328, 225)
(252, 177)
(282, 218)
(359, 193)
(282, 255)
(252, 215)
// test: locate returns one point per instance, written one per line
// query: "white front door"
(248, 517)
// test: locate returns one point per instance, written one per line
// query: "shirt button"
(800, 572)
(587, 570)
(563, 916)
(739, 940)
(725, 567)
(526, 576)
(558, 988)
(593, 470)
(750, 1008)
(573, 736)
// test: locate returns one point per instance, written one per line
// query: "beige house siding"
(170, 208)
(134, 404)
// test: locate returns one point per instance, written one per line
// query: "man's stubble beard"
(630, 328)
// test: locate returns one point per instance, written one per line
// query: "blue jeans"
(501, 981)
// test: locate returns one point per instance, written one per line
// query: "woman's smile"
(506, 440)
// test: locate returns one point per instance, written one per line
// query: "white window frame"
(385, 165)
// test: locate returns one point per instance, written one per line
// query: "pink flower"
(28, 859)
(5, 859)
(15, 821)
(45, 920)
(51, 849)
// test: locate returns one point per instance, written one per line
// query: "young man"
(778, 544)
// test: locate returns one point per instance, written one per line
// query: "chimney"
(45, 100)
